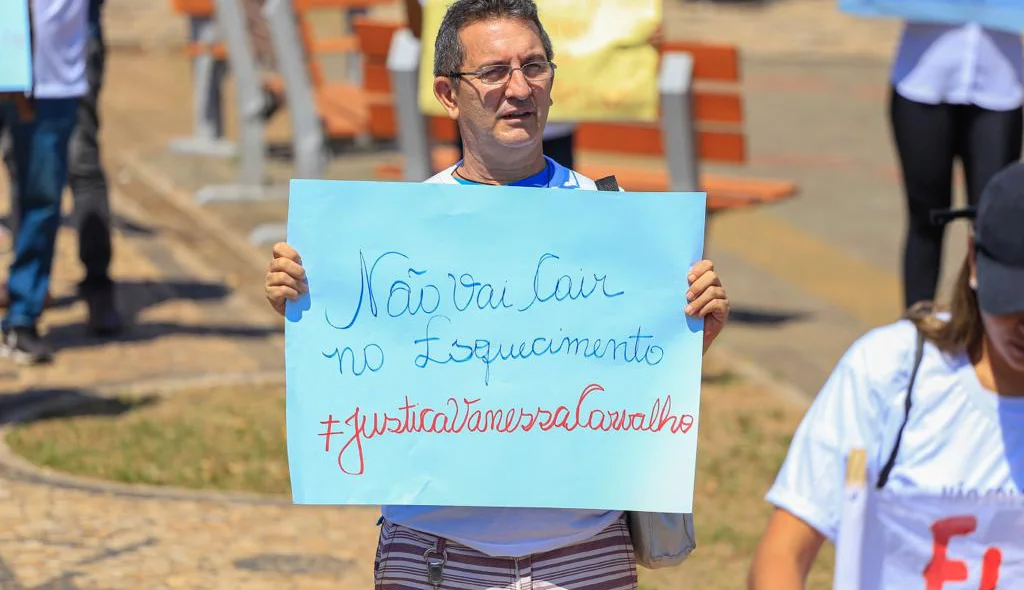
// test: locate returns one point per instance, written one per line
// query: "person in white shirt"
(957, 93)
(40, 153)
(955, 424)
(493, 74)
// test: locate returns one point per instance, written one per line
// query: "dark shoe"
(25, 346)
(104, 319)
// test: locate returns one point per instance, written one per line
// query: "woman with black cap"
(936, 400)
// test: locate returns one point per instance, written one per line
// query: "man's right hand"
(286, 279)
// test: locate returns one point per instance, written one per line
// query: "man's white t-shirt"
(509, 532)
(960, 438)
(59, 33)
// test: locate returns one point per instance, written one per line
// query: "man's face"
(508, 115)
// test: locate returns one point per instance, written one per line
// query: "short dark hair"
(449, 54)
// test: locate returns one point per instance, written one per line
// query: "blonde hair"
(964, 329)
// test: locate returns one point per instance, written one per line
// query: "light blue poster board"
(493, 346)
(1003, 15)
(15, 49)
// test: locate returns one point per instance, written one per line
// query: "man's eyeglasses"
(497, 75)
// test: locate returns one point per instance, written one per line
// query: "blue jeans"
(40, 151)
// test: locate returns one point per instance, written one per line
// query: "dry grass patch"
(234, 439)
(744, 435)
(222, 439)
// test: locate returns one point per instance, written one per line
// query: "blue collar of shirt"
(540, 179)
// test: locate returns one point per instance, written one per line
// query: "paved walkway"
(63, 535)
(806, 276)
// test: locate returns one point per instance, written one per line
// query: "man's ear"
(445, 90)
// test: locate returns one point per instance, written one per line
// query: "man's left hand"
(706, 299)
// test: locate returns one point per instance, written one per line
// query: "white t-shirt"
(960, 438)
(510, 532)
(59, 30)
(959, 64)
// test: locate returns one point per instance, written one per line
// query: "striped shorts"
(407, 559)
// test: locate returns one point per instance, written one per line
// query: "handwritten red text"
(459, 416)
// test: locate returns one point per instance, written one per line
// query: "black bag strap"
(883, 477)
(608, 183)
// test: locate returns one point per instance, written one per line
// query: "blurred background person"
(88, 181)
(39, 153)
(956, 95)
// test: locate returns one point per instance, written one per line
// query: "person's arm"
(414, 16)
(851, 411)
(785, 554)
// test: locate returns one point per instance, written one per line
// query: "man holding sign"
(493, 74)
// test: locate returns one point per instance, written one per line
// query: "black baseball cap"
(999, 242)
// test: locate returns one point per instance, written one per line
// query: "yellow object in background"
(607, 70)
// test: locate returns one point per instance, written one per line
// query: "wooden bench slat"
(382, 120)
(717, 107)
(645, 140)
(342, 4)
(338, 126)
(343, 110)
(200, 8)
(719, 63)
(737, 189)
(709, 107)
(442, 129)
(636, 139)
(376, 78)
(724, 147)
(217, 50)
(375, 36)
(345, 44)
(723, 191)
(344, 99)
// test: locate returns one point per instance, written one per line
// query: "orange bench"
(343, 107)
(718, 115)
